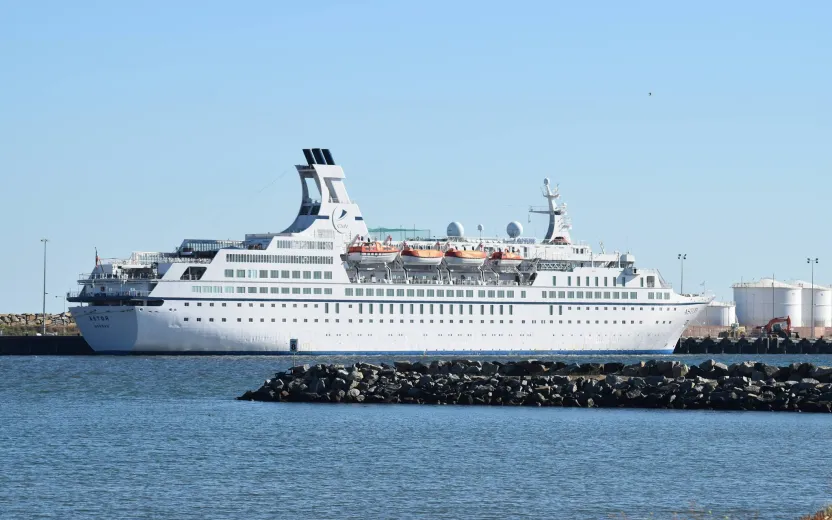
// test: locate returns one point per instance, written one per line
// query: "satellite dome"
(514, 229)
(455, 229)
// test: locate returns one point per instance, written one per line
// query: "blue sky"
(130, 126)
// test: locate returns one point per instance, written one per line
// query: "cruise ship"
(326, 285)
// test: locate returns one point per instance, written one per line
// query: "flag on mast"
(97, 260)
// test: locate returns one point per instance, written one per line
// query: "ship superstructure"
(325, 286)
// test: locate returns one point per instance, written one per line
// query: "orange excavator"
(781, 327)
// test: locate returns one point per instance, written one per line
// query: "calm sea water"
(163, 437)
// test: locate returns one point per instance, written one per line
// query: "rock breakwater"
(801, 387)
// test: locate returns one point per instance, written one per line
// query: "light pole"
(43, 316)
(812, 263)
(682, 258)
(63, 327)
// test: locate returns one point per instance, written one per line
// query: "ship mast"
(558, 231)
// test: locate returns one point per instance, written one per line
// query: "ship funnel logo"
(339, 220)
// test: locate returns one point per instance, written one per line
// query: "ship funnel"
(308, 154)
(328, 156)
(319, 157)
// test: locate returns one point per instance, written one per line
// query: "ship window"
(307, 275)
(317, 290)
(229, 273)
(440, 293)
(239, 320)
(284, 274)
(359, 292)
(578, 280)
(511, 309)
(605, 281)
(614, 281)
(420, 292)
(411, 308)
(371, 308)
(625, 295)
(633, 296)
(589, 295)
(264, 274)
(642, 281)
(522, 294)
(317, 275)
(481, 294)
(251, 273)
(442, 309)
(587, 281)
(360, 308)
(307, 290)
(554, 281)
(501, 294)
(370, 292)
(430, 293)
(327, 290)
(295, 290)
(410, 292)
(274, 274)
(399, 292)
(570, 294)
(491, 309)
(264, 290)
(650, 296)
(186, 319)
(390, 292)
(296, 274)
(667, 296)
(421, 308)
(252, 290)
(327, 275)
(580, 295)
(615, 295)
(510, 294)
(241, 273)
(348, 291)
(284, 290)
(490, 294)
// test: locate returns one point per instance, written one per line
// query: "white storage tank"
(760, 301)
(717, 314)
(822, 310)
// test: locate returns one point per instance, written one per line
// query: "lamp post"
(682, 258)
(63, 327)
(812, 263)
(43, 316)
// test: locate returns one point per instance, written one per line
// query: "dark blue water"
(161, 437)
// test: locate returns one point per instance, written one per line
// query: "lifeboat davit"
(506, 259)
(464, 258)
(374, 253)
(421, 257)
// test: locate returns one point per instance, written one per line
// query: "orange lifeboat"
(506, 259)
(373, 253)
(421, 257)
(464, 258)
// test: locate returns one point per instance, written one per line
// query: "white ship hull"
(114, 329)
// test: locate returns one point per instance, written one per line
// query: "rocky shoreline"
(799, 387)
